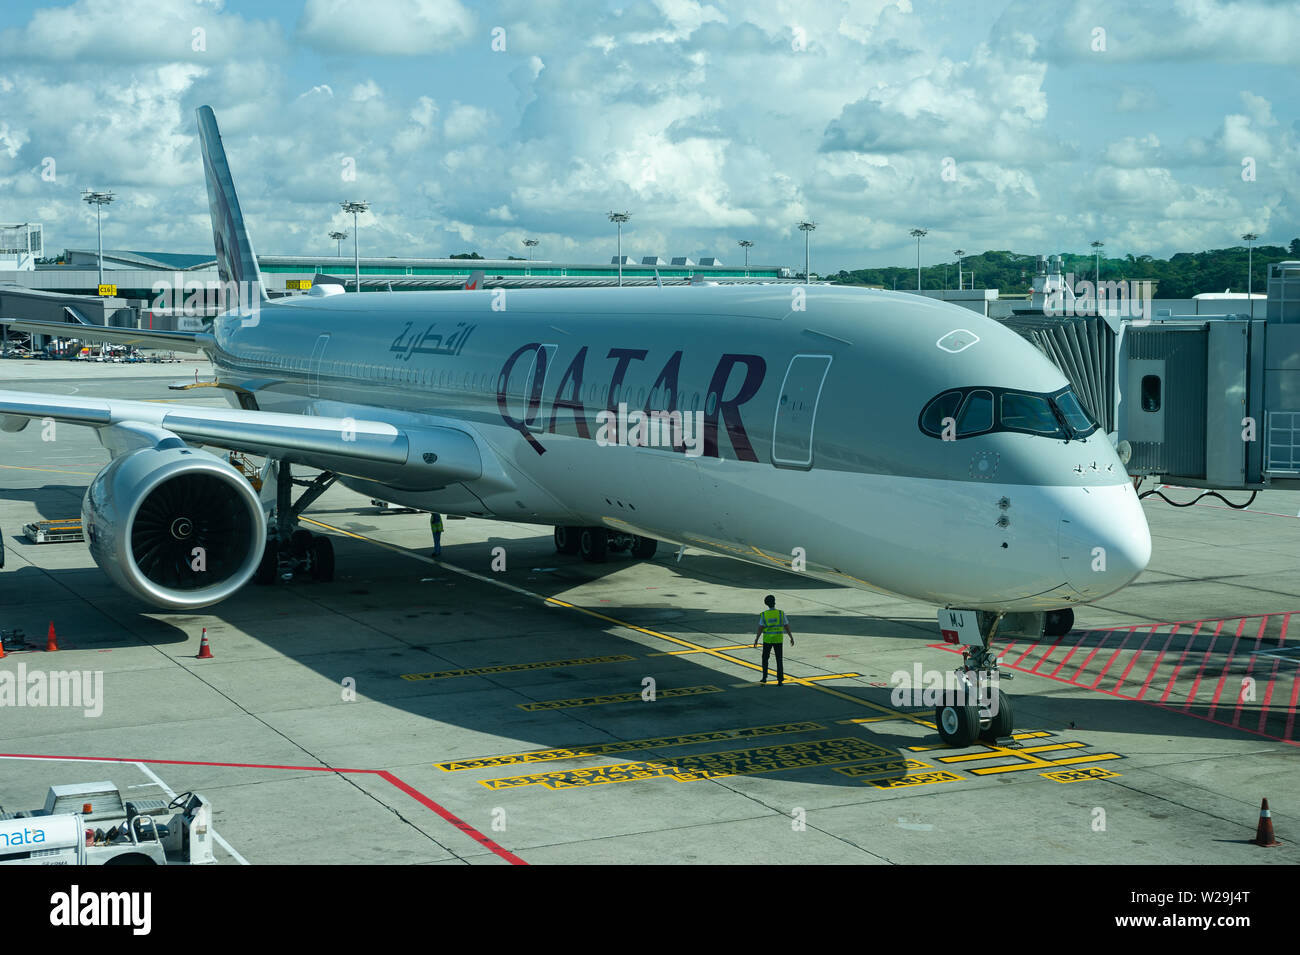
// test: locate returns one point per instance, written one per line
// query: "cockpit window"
(978, 410)
(976, 414)
(1074, 414)
(943, 407)
(1029, 413)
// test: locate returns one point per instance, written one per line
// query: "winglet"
(236, 261)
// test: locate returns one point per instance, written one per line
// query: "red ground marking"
(1272, 676)
(1185, 707)
(1173, 678)
(1159, 657)
(1250, 669)
(1141, 650)
(388, 777)
(1227, 665)
(1191, 694)
(1118, 650)
(1043, 658)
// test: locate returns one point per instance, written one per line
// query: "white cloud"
(390, 28)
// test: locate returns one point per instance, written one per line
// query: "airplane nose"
(1104, 540)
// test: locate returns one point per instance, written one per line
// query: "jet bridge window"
(1151, 393)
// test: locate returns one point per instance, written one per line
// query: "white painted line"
(171, 795)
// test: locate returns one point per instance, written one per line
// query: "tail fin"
(236, 261)
(475, 281)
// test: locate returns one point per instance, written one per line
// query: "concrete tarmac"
(421, 711)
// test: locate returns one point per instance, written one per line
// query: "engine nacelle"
(173, 525)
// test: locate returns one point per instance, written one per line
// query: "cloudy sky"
(1031, 126)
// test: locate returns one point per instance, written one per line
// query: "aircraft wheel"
(958, 724)
(594, 544)
(567, 539)
(1057, 623)
(300, 542)
(1002, 722)
(265, 573)
(322, 559)
(644, 548)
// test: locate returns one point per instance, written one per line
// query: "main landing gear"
(595, 543)
(290, 549)
(977, 707)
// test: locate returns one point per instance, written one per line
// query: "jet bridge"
(1201, 401)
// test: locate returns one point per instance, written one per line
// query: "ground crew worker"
(435, 525)
(771, 624)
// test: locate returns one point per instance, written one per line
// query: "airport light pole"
(338, 238)
(98, 200)
(1250, 261)
(1097, 246)
(530, 244)
(806, 227)
(618, 218)
(918, 233)
(355, 207)
(746, 245)
(959, 253)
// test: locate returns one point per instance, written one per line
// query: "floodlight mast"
(806, 227)
(918, 233)
(1250, 272)
(355, 207)
(746, 245)
(98, 200)
(618, 218)
(338, 238)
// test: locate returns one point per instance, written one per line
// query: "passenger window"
(1029, 413)
(1151, 393)
(945, 406)
(976, 414)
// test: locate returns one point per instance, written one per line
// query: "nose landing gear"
(977, 708)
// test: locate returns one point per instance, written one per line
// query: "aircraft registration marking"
(615, 698)
(747, 762)
(886, 768)
(917, 779)
(517, 667)
(624, 746)
(1083, 772)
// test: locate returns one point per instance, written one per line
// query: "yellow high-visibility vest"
(435, 523)
(773, 622)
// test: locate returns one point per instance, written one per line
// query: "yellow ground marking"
(678, 641)
(809, 679)
(604, 698)
(1075, 775)
(925, 749)
(1025, 758)
(624, 746)
(882, 768)
(517, 667)
(19, 467)
(748, 762)
(967, 757)
(675, 653)
(919, 779)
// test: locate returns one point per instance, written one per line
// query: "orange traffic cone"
(1264, 833)
(51, 642)
(2, 647)
(205, 651)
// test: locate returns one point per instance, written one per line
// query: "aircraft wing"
(411, 458)
(173, 341)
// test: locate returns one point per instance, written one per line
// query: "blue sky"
(995, 125)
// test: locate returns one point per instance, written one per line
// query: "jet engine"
(173, 525)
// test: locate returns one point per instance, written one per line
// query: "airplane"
(872, 439)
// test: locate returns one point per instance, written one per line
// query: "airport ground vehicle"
(90, 824)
